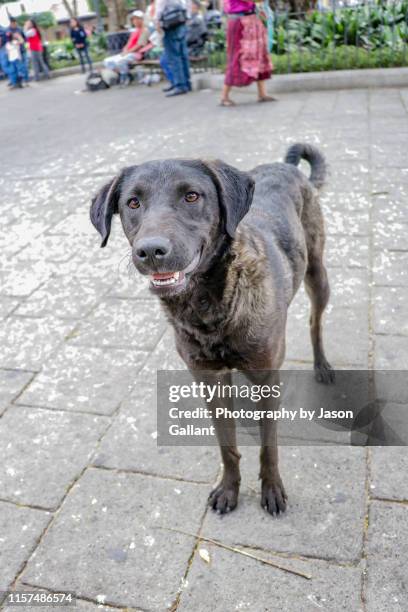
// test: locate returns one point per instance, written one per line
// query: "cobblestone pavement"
(83, 486)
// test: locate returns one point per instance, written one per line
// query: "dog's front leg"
(224, 496)
(273, 495)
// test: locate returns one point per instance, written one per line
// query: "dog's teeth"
(160, 282)
(165, 281)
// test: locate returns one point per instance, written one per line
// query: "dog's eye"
(133, 203)
(191, 196)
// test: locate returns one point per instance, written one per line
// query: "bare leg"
(262, 93)
(225, 96)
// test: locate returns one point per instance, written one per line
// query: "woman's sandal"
(227, 103)
(267, 99)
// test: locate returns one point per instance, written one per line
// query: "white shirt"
(13, 51)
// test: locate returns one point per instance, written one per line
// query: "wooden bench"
(198, 64)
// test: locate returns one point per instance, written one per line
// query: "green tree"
(71, 7)
(44, 20)
(117, 14)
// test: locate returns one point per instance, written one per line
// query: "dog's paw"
(223, 498)
(273, 497)
(324, 373)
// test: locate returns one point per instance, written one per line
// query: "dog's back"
(286, 210)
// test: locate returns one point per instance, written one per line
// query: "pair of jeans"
(175, 47)
(39, 65)
(120, 63)
(17, 71)
(4, 63)
(165, 66)
(84, 57)
(23, 68)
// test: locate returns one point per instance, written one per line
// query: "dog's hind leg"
(317, 286)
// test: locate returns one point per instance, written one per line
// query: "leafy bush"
(369, 36)
(339, 58)
(62, 53)
(371, 26)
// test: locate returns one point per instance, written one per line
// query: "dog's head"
(173, 212)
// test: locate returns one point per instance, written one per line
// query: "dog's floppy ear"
(235, 191)
(104, 206)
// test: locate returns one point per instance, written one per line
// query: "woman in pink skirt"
(247, 50)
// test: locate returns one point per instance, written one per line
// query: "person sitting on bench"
(131, 51)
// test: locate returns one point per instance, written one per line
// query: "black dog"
(224, 277)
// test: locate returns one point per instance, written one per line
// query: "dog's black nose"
(152, 250)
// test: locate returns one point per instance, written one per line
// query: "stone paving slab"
(22, 278)
(80, 605)
(326, 507)
(7, 305)
(122, 323)
(163, 357)
(48, 249)
(390, 236)
(43, 452)
(65, 297)
(389, 207)
(390, 268)
(390, 310)
(20, 530)
(12, 382)
(27, 343)
(347, 251)
(391, 353)
(387, 556)
(353, 224)
(131, 444)
(338, 323)
(80, 378)
(131, 285)
(389, 466)
(106, 542)
(253, 586)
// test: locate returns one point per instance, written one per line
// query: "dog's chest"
(203, 334)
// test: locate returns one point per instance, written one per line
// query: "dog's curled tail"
(312, 155)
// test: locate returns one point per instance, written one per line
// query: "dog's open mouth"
(173, 280)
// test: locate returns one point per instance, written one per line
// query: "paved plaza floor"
(84, 489)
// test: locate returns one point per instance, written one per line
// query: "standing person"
(35, 44)
(3, 52)
(80, 40)
(247, 51)
(171, 16)
(13, 29)
(14, 56)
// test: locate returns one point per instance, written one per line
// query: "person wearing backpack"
(171, 16)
